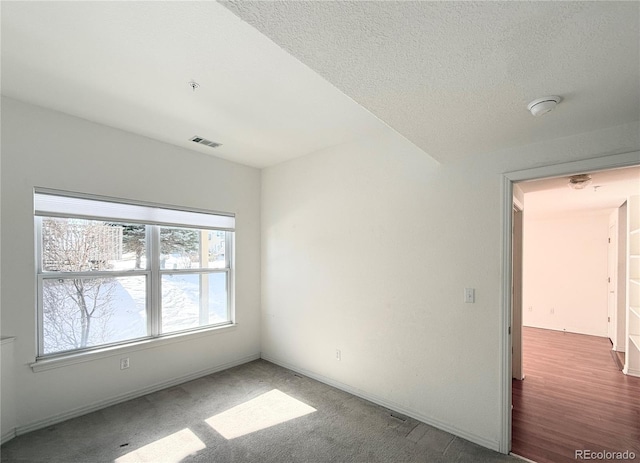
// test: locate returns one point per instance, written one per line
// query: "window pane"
(185, 248)
(86, 312)
(78, 245)
(179, 248)
(217, 248)
(193, 300)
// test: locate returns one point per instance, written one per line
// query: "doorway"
(567, 259)
(610, 162)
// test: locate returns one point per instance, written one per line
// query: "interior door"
(517, 371)
(612, 254)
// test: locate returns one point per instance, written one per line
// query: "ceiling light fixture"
(579, 182)
(193, 84)
(543, 105)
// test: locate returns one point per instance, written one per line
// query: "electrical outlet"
(338, 355)
(124, 363)
(530, 308)
(553, 310)
(469, 295)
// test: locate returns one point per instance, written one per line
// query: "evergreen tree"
(183, 241)
(179, 240)
(134, 240)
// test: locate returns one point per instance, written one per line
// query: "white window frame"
(158, 216)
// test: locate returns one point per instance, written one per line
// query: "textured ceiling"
(284, 79)
(128, 64)
(455, 77)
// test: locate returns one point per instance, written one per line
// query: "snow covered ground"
(181, 300)
(180, 304)
(180, 307)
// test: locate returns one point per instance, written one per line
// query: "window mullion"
(228, 249)
(154, 295)
(38, 245)
(39, 305)
(90, 274)
(230, 266)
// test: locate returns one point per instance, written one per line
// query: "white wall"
(48, 149)
(367, 248)
(565, 273)
(7, 390)
(621, 331)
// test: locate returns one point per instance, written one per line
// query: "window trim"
(67, 358)
(153, 274)
(48, 210)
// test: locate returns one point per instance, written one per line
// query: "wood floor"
(573, 397)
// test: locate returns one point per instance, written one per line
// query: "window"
(110, 272)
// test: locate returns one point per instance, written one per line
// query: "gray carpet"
(188, 424)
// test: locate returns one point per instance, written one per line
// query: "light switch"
(469, 295)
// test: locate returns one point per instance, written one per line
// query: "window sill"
(123, 349)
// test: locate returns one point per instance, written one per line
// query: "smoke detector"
(543, 105)
(579, 182)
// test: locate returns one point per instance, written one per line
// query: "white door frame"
(557, 170)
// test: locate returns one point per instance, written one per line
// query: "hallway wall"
(565, 273)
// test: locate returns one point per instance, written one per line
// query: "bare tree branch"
(71, 305)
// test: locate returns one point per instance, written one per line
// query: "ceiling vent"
(204, 141)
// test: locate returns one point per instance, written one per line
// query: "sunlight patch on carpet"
(171, 449)
(271, 408)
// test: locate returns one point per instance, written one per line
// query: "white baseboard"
(7, 436)
(521, 457)
(628, 371)
(569, 329)
(493, 445)
(58, 418)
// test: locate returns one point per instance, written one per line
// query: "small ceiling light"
(193, 84)
(579, 182)
(543, 105)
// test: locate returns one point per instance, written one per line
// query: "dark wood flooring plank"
(573, 397)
